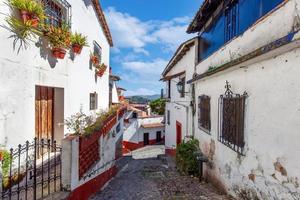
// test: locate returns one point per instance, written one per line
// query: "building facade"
(245, 96)
(38, 91)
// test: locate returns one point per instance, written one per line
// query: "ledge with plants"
(78, 41)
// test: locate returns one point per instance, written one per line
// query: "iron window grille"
(93, 101)
(182, 93)
(231, 20)
(58, 12)
(231, 119)
(204, 121)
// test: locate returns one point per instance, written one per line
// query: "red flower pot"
(94, 60)
(59, 53)
(26, 16)
(76, 48)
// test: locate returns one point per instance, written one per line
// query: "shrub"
(186, 160)
(6, 159)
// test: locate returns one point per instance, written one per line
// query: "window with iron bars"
(231, 20)
(58, 12)
(97, 51)
(231, 119)
(93, 101)
(204, 113)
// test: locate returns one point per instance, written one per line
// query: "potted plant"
(100, 69)
(78, 41)
(60, 39)
(30, 10)
(94, 59)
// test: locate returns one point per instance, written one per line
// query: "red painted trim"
(131, 146)
(178, 132)
(170, 152)
(85, 191)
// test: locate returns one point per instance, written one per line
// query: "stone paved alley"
(147, 176)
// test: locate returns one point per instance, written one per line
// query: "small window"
(97, 51)
(118, 128)
(204, 113)
(57, 12)
(231, 21)
(232, 117)
(169, 89)
(93, 101)
(182, 92)
(168, 117)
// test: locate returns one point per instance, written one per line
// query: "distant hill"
(142, 99)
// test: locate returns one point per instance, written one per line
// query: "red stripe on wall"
(91, 187)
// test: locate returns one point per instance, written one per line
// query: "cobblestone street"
(155, 178)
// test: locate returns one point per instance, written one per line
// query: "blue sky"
(146, 33)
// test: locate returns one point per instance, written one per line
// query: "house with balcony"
(39, 89)
(243, 92)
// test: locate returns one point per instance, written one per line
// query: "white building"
(141, 131)
(178, 123)
(249, 130)
(37, 91)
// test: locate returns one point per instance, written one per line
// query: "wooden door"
(44, 106)
(158, 136)
(146, 139)
(178, 132)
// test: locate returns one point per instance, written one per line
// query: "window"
(168, 117)
(231, 23)
(204, 112)
(118, 128)
(57, 12)
(231, 122)
(182, 93)
(93, 101)
(97, 51)
(169, 89)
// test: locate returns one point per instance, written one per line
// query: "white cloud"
(154, 67)
(140, 91)
(130, 32)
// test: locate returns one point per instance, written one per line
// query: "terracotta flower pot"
(76, 48)
(59, 53)
(26, 16)
(94, 60)
(100, 72)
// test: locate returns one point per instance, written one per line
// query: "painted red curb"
(170, 152)
(85, 191)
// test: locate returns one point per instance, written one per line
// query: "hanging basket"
(101, 70)
(58, 53)
(76, 48)
(94, 60)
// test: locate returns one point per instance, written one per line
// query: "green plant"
(33, 7)
(186, 159)
(79, 39)
(59, 37)
(78, 122)
(158, 106)
(22, 32)
(6, 160)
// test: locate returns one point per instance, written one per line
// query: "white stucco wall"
(115, 97)
(271, 117)
(20, 73)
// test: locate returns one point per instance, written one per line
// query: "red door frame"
(178, 132)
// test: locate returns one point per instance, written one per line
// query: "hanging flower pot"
(94, 60)
(78, 41)
(58, 53)
(100, 70)
(76, 48)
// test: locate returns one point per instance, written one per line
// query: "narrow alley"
(150, 176)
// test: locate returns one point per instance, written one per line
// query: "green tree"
(158, 106)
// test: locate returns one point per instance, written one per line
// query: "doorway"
(146, 139)
(178, 132)
(44, 112)
(158, 136)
